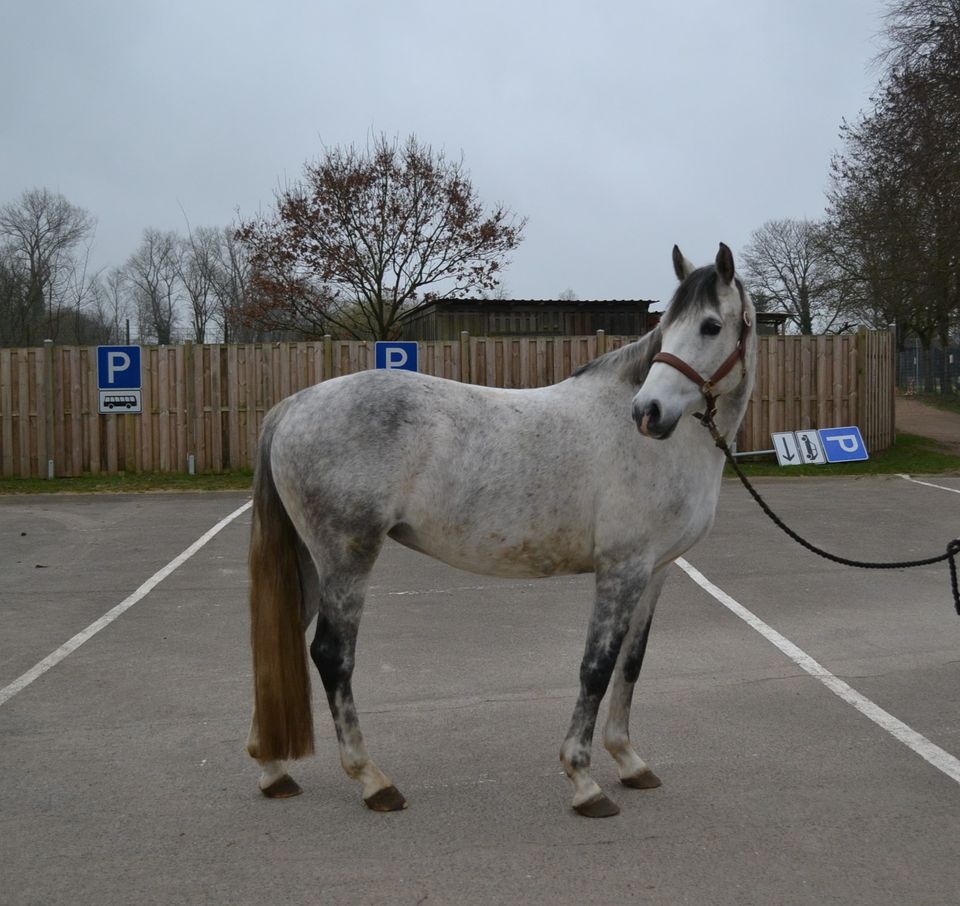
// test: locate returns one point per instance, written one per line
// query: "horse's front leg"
(634, 771)
(619, 587)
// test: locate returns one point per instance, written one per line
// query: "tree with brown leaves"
(369, 237)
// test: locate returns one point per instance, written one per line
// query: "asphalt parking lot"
(123, 775)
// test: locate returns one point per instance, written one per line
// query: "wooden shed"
(444, 320)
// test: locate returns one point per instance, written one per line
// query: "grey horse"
(521, 483)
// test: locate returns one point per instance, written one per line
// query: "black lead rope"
(953, 548)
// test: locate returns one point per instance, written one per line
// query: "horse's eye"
(710, 328)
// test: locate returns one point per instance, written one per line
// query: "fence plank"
(250, 397)
(215, 417)
(166, 444)
(6, 412)
(23, 388)
(198, 419)
(233, 409)
(76, 412)
(95, 456)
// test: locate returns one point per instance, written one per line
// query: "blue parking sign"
(118, 368)
(843, 444)
(396, 354)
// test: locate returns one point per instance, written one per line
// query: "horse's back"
(485, 479)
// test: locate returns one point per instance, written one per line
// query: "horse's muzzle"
(652, 422)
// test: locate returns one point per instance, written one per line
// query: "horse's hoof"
(282, 788)
(388, 799)
(597, 807)
(643, 780)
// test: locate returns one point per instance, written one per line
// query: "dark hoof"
(645, 780)
(283, 788)
(598, 807)
(389, 799)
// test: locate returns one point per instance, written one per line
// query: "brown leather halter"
(707, 385)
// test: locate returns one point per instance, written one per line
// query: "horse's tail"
(281, 679)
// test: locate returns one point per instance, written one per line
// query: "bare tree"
(790, 269)
(81, 287)
(895, 193)
(197, 262)
(371, 236)
(15, 314)
(40, 233)
(921, 34)
(112, 305)
(233, 288)
(153, 274)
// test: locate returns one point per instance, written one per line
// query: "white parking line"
(928, 484)
(68, 647)
(939, 758)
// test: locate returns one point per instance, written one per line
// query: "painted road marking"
(68, 647)
(930, 752)
(929, 484)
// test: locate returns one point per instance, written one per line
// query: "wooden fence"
(822, 382)
(208, 402)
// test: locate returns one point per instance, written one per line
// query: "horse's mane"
(630, 362)
(696, 293)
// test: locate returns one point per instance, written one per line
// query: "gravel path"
(914, 417)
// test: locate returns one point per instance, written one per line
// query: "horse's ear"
(681, 267)
(725, 263)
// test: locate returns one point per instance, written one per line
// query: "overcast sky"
(618, 127)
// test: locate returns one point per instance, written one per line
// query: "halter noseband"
(707, 385)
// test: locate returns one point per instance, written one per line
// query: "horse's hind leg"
(633, 770)
(275, 782)
(332, 650)
(619, 587)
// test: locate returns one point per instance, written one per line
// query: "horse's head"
(706, 333)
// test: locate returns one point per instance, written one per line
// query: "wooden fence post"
(327, 357)
(48, 403)
(191, 399)
(601, 342)
(861, 414)
(465, 375)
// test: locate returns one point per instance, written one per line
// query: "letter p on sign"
(396, 355)
(116, 361)
(396, 358)
(118, 368)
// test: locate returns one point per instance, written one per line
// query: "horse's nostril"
(647, 417)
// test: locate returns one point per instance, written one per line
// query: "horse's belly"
(493, 554)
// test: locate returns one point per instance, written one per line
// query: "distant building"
(770, 323)
(444, 320)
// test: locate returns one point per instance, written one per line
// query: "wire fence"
(932, 370)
